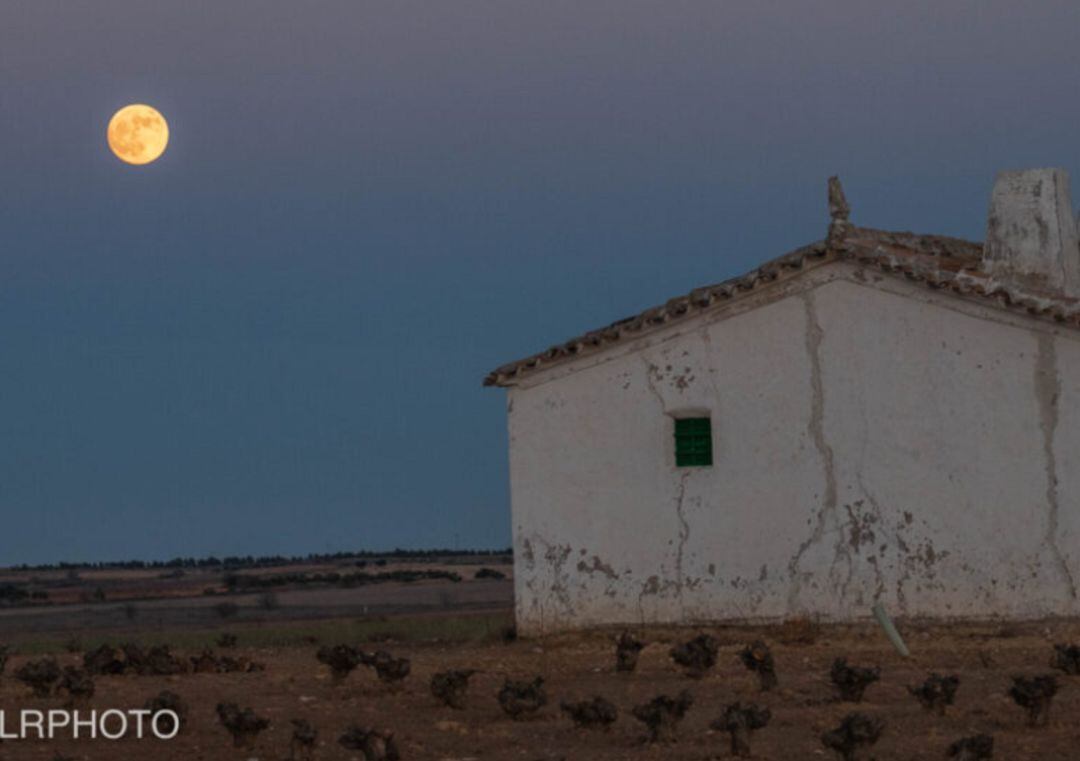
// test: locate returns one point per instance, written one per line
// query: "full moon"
(138, 134)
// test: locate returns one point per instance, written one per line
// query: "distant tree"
(489, 573)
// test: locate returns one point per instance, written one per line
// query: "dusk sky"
(272, 339)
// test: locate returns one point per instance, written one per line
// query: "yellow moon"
(138, 134)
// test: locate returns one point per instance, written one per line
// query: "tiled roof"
(934, 261)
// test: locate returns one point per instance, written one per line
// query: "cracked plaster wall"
(869, 444)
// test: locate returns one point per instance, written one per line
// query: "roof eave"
(698, 301)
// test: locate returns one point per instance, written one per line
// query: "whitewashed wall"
(873, 440)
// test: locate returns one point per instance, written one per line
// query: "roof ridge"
(936, 261)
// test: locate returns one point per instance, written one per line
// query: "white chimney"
(1031, 235)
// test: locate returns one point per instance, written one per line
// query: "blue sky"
(272, 339)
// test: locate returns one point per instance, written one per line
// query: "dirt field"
(117, 585)
(295, 685)
(170, 616)
(144, 601)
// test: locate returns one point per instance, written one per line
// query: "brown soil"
(577, 667)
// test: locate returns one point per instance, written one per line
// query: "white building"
(875, 417)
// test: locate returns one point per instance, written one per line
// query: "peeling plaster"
(652, 374)
(876, 561)
(557, 592)
(597, 566)
(650, 587)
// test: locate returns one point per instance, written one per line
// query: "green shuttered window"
(693, 442)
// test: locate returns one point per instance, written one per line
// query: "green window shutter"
(693, 442)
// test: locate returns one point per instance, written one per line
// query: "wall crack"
(684, 535)
(1047, 393)
(816, 430)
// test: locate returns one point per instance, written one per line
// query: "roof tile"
(935, 261)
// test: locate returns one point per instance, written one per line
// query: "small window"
(693, 442)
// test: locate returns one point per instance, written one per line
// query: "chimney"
(1031, 238)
